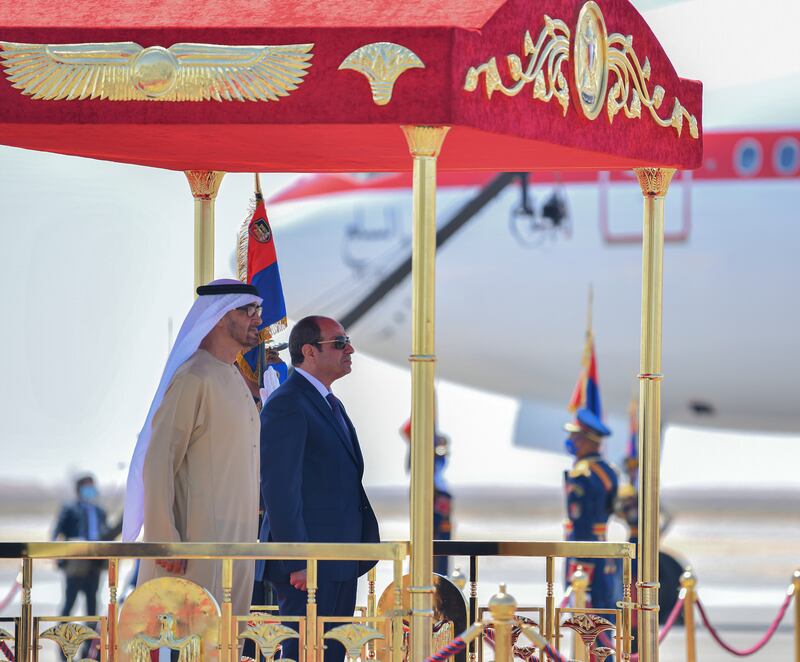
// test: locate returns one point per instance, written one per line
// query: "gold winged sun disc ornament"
(124, 71)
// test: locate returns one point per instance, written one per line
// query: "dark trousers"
(333, 599)
(86, 584)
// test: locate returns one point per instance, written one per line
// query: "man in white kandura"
(194, 476)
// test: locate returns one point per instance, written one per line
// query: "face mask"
(570, 447)
(88, 493)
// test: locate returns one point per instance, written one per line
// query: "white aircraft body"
(96, 262)
(512, 288)
(512, 300)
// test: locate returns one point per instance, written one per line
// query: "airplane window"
(786, 156)
(747, 157)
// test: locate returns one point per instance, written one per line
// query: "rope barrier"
(673, 618)
(758, 646)
(5, 650)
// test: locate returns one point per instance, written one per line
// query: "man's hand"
(175, 566)
(298, 580)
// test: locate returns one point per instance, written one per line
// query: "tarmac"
(743, 549)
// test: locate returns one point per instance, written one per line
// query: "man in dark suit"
(81, 520)
(311, 471)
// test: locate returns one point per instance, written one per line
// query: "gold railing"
(581, 620)
(182, 616)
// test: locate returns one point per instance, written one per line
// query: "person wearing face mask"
(82, 519)
(591, 491)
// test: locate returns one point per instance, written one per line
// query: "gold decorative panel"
(124, 71)
(268, 636)
(596, 55)
(169, 612)
(353, 636)
(382, 63)
(69, 637)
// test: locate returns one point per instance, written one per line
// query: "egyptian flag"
(587, 390)
(258, 265)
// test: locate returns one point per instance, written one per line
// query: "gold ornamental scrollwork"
(124, 71)
(630, 91)
(353, 636)
(69, 637)
(267, 637)
(543, 69)
(382, 63)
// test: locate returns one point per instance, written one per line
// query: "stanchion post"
(654, 183)
(580, 586)
(689, 595)
(796, 591)
(113, 580)
(502, 607)
(205, 186)
(424, 143)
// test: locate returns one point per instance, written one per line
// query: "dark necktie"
(336, 407)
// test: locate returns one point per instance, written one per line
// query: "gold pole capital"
(425, 140)
(204, 183)
(654, 181)
(502, 605)
(688, 579)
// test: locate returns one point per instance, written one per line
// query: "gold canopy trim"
(124, 71)
(596, 55)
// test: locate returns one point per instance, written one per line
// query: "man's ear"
(309, 351)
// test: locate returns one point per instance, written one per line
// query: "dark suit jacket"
(73, 524)
(311, 480)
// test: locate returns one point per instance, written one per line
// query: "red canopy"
(330, 122)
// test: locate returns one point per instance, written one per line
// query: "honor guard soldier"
(591, 489)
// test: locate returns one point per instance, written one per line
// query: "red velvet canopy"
(330, 121)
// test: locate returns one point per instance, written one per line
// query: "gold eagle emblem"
(124, 71)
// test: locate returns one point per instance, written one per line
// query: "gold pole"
(311, 612)
(477, 643)
(205, 186)
(689, 595)
(627, 574)
(23, 646)
(371, 653)
(424, 143)
(580, 585)
(550, 602)
(654, 183)
(113, 578)
(796, 591)
(502, 607)
(226, 642)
